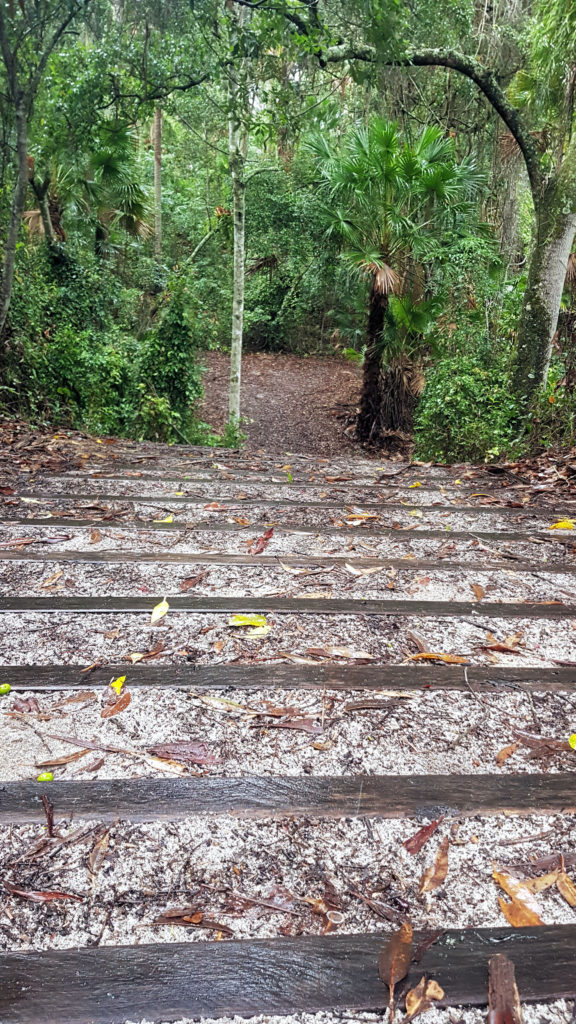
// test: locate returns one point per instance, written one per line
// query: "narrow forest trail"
(289, 403)
(237, 829)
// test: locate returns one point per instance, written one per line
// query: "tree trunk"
(16, 211)
(237, 146)
(371, 399)
(158, 185)
(555, 229)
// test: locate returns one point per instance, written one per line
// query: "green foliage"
(77, 363)
(466, 412)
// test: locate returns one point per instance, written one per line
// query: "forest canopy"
(391, 182)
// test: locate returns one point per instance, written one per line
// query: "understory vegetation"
(291, 176)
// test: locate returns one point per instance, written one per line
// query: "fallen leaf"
(523, 911)
(117, 684)
(247, 620)
(435, 876)
(56, 761)
(95, 537)
(297, 571)
(261, 542)
(394, 960)
(168, 519)
(415, 484)
(563, 524)
(419, 999)
(417, 841)
(114, 709)
(357, 570)
(340, 652)
(40, 896)
(518, 914)
(416, 513)
(566, 888)
(189, 917)
(259, 631)
(449, 659)
(159, 612)
(191, 581)
(51, 579)
(98, 853)
(505, 753)
(187, 751)
(479, 591)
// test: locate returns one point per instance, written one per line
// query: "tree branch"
(483, 77)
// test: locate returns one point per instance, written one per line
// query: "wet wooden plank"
(112, 984)
(321, 561)
(169, 500)
(290, 605)
(386, 796)
(353, 532)
(287, 676)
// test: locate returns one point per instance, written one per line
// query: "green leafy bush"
(466, 412)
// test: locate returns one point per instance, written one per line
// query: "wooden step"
(290, 605)
(352, 532)
(287, 676)
(168, 500)
(112, 984)
(274, 561)
(385, 796)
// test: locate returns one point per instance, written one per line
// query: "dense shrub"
(466, 411)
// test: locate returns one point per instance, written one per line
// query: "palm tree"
(393, 207)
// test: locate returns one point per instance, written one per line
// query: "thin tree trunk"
(371, 398)
(546, 276)
(16, 211)
(158, 184)
(237, 144)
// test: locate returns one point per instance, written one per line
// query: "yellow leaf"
(416, 513)
(178, 493)
(563, 524)
(117, 684)
(247, 620)
(259, 631)
(159, 612)
(169, 519)
(415, 484)
(572, 741)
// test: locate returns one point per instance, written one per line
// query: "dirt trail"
(290, 403)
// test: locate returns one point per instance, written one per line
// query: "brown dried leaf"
(95, 537)
(479, 591)
(505, 753)
(518, 914)
(419, 999)
(51, 579)
(524, 910)
(186, 751)
(191, 581)
(261, 542)
(40, 896)
(415, 843)
(340, 652)
(566, 888)
(188, 917)
(56, 761)
(394, 959)
(98, 853)
(435, 876)
(449, 659)
(120, 705)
